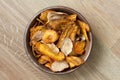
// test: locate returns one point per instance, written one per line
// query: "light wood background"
(104, 18)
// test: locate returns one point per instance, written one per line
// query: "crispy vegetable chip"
(44, 49)
(44, 14)
(59, 66)
(79, 47)
(50, 36)
(74, 32)
(72, 17)
(74, 61)
(84, 28)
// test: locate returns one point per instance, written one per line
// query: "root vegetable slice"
(44, 49)
(44, 59)
(72, 17)
(74, 61)
(36, 33)
(56, 24)
(50, 36)
(37, 36)
(84, 28)
(85, 34)
(56, 15)
(59, 66)
(67, 46)
(33, 30)
(74, 32)
(53, 47)
(79, 47)
(84, 25)
(44, 14)
(62, 37)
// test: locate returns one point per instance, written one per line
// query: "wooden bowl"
(28, 48)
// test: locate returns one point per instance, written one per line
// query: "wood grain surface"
(102, 64)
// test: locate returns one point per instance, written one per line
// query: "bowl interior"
(27, 38)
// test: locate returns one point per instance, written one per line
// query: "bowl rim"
(28, 25)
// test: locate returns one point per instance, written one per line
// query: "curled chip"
(72, 17)
(84, 28)
(50, 36)
(79, 47)
(74, 61)
(44, 14)
(44, 59)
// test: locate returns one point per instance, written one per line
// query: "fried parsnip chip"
(63, 36)
(37, 32)
(56, 16)
(44, 49)
(44, 14)
(56, 24)
(59, 66)
(67, 46)
(74, 32)
(44, 59)
(85, 28)
(53, 47)
(74, 61)
(84, 25)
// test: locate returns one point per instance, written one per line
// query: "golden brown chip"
(50, 36)
(44, 59)
(72, 17)
(44, 14)
(33, 30)
(66, 33)
(84, 28)
(84, 25)
(74, 61)
(56, 24)
(85, 34)
(74, 32)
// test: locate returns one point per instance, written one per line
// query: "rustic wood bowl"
(28, 48)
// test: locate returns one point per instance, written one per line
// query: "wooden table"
(104, 18)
